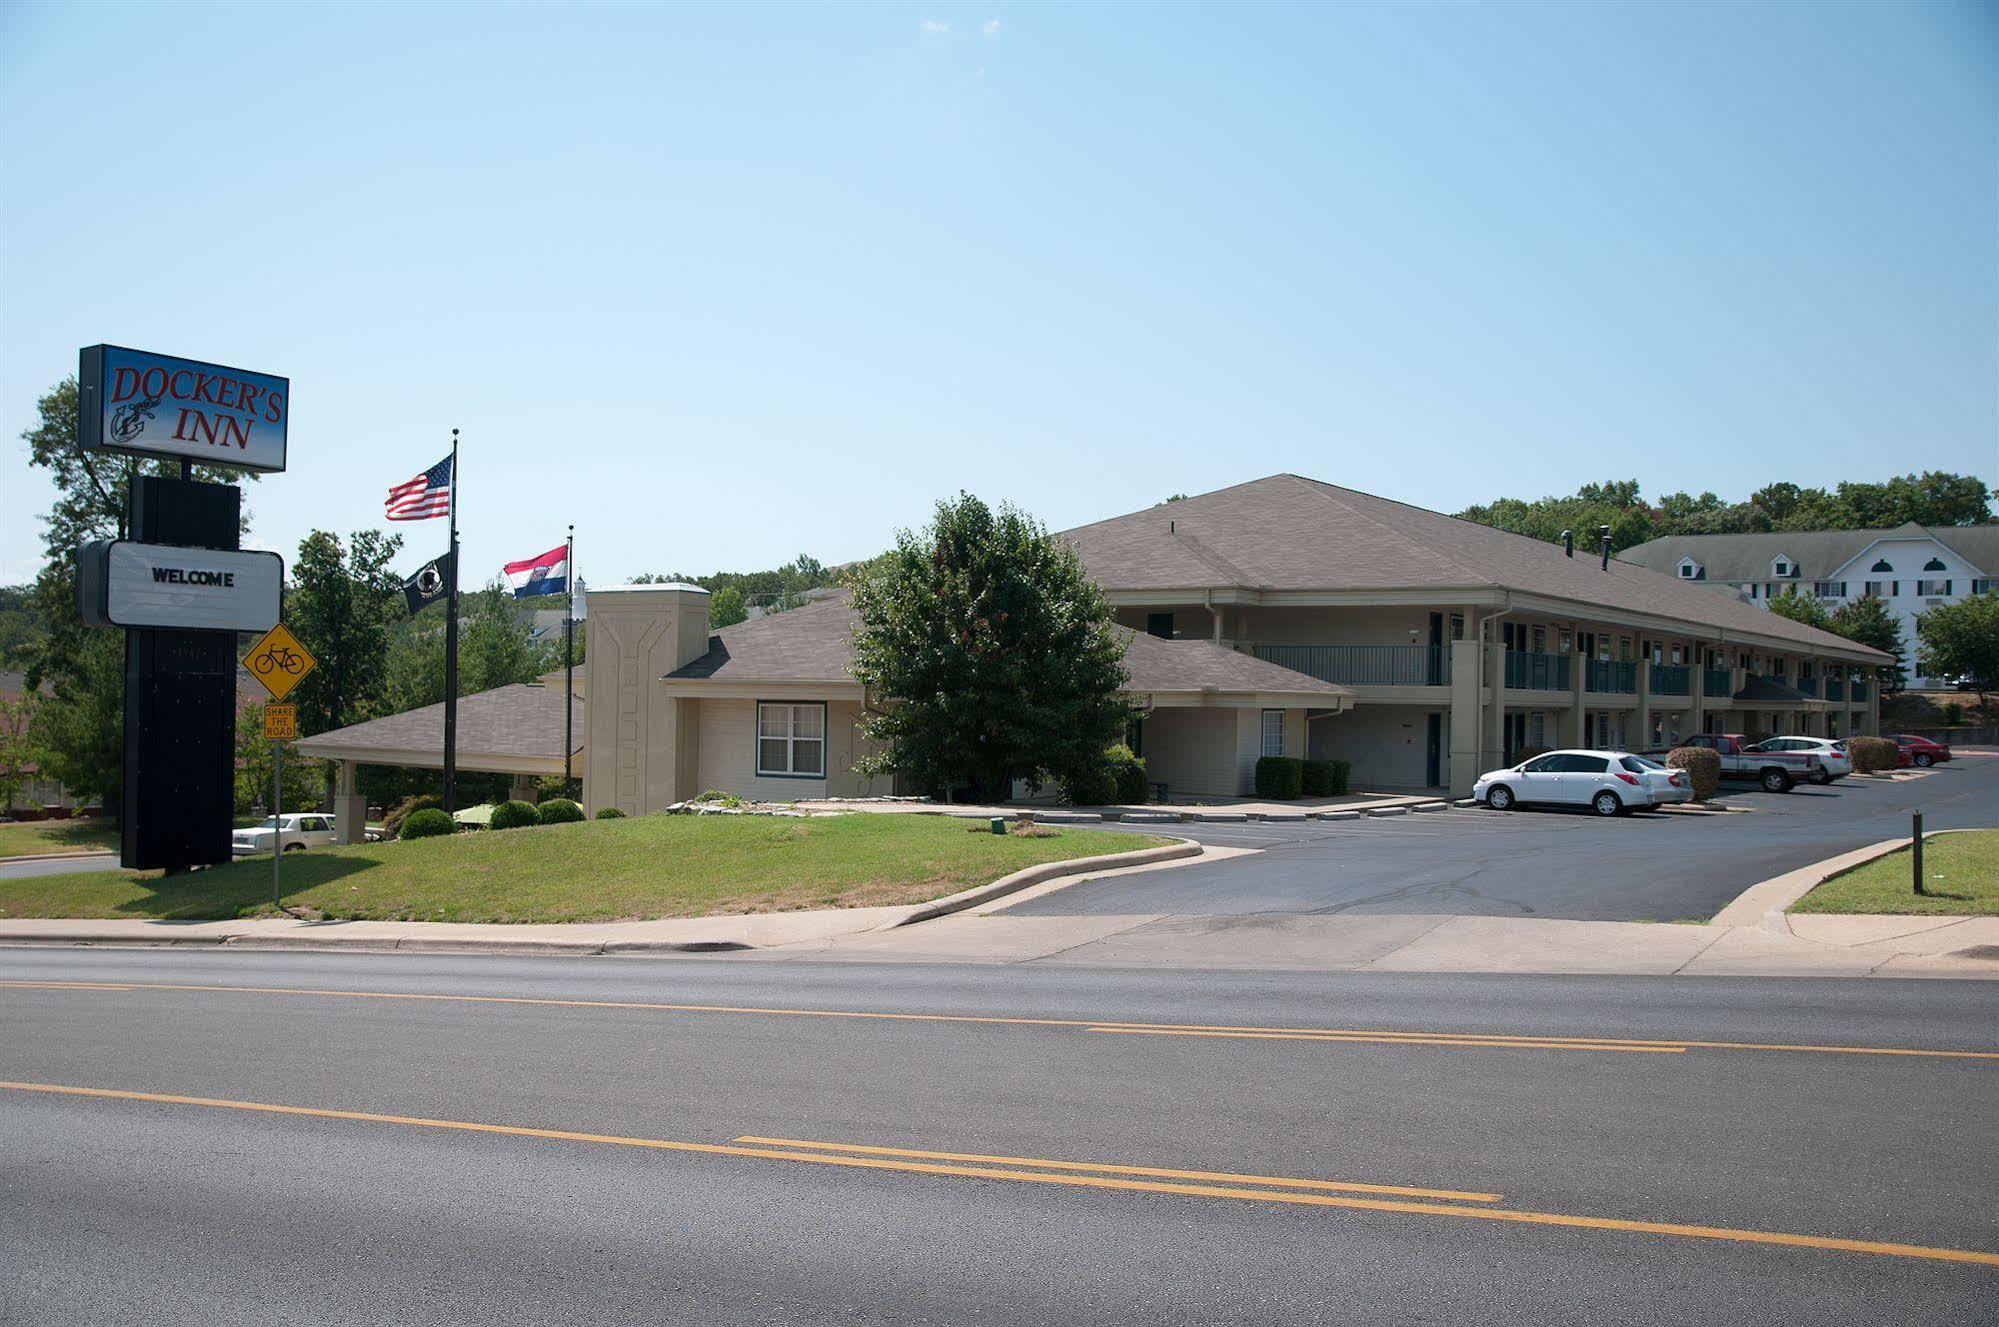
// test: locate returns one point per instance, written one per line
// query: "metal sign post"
(279, 662)
(277, 823)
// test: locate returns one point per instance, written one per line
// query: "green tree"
(341, 603)
(988, 655)
(1615, 503)
(21, 628)
(1962, 639)
(17, 745)
(725, 608)
(78, 725)
(1868, 621)
(1803, 608)
(302, 777)
(495, 648)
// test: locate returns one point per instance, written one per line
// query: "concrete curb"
(1380, 811)
(1336, 815)
(1767, 903)
(1034, 875)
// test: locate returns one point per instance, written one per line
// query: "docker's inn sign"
(138, 403)
(124, 583)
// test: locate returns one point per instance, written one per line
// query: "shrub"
(1871, 754)
(610, 813)
(1702, 766)
(399, 814)
(558, 811)
(514, 815)
(1326, 778)
(1280, 778)
(1127, 773)
(1095, 786)
(426, 822)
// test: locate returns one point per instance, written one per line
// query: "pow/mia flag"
(429, 584)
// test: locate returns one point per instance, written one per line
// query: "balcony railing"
(1808, 686)
(1618, 676)
(1671, 679)
(1526, 671)
(1717, 682)
(1858, 688)
(1835, 688)
(1364, 665)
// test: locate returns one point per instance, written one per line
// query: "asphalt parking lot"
(1659, 866)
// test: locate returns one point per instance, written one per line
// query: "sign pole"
(569, 661)
(277, 822)
(451, 650)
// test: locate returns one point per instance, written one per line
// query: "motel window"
(1273, 732)
(1873, 589)
(1927, 588)
(791, 739)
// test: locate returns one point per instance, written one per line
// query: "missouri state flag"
(547, 574)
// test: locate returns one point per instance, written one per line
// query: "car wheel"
(1776, 781)
(1499, 797)
(1822, 777)
(1924, 760)
(294, 847)
(1606, 803)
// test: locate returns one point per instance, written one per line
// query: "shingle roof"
(1818, 553)
(515, 721)
(1287, 532)
(815, 644)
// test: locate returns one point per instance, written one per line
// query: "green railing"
(1364, 665)
(1835, 688)
(1615, 676)
(1671, 679)
(1717, 682)
(1528, 671)
(1808, 686)
(1859, 690)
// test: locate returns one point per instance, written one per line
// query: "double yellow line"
(1366, 1036)
(1225, 1185)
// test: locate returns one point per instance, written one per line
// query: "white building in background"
(1910, 568)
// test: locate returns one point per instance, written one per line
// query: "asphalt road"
(1536, 863)
(617, 1193)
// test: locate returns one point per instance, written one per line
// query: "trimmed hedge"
(514, 815)
(427, 822)
(1871, 754)
(558, 811)
(1118, 777)
(1326, 778)
(1703, 767)
(610, 813)
(1280, 778)
(1127, 773)
(392, 823)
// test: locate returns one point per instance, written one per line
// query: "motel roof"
(509, 730)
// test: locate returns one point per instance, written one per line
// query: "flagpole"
(451, 650)
(569, 661)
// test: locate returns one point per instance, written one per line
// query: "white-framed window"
(1690, 570)
(1273, 732)
(791, 739)
(1924, 589)
(1781, 566)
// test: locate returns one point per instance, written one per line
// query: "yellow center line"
(1087, 1024)
(1153, 1171)
(1388, 1039)
(1407, 1207)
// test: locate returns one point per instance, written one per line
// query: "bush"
(1702, 766)
(1127, 773)
(559, 811)
(514, 815)
(1095, 786)
(1871, 754)
(1326, 778)
(610, 813)
(1280, 778)
(427, 822)
(399, 814)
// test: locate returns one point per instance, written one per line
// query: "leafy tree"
(773, 591)
(79, 724)
(1614, 504)
(1803, 608)
(302, 777)
(341, 603)
(989, 655)
(17, 745)
(725, 607)
(1962, 639)
(21, 628)
(495, 649)
(1868, 621)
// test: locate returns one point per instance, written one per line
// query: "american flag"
(428, 495)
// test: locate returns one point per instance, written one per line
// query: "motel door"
(1433, 768)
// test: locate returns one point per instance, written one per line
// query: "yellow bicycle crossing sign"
(279, 662)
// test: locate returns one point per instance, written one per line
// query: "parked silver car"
(1598, 780)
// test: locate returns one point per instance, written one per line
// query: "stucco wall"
(1194, 751)
(728, 755)
(1388, 745)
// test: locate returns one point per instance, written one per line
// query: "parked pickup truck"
(1777, 771)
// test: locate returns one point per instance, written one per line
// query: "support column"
(1493, 746)
(1465, 724)
(350, 809)
(1644, 737)
(521, 789)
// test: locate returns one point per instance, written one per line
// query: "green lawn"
(603, 870)
(1961, 873)
(34, 838)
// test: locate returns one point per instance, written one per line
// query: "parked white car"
(309, 829)
(1834, 762)
(1595, 779)
(1669, 785)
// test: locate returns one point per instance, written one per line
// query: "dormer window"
(1934, 564)
(1691, 570)
(1782, 567)
(1882, 565)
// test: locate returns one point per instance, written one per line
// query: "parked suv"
(1595, 779)
(1834, 762)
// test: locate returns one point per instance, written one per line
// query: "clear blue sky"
(726, 285)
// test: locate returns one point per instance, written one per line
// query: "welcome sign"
(138, 403)
(124, 583)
